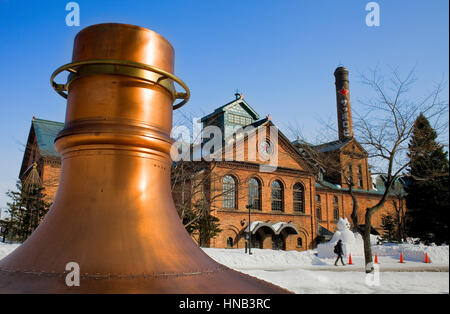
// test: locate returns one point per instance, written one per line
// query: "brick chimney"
(344, 110)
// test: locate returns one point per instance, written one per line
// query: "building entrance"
(278, 242)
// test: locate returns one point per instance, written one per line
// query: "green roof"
(46, 132)
(398, 188)
(231, 103)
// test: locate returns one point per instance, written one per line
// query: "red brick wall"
(50, 178)
(346, 207)
(230, 220)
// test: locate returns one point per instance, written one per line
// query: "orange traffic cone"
(376, 259)
(427, 260)
(401, 258)
(350, 259)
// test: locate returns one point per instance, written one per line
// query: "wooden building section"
(40, 148)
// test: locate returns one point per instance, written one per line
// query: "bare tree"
(197, 188)
(385, 128)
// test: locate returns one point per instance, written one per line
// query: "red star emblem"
(343, 92)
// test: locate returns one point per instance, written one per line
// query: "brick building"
(289, 209)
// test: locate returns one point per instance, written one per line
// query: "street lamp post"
(249, 231)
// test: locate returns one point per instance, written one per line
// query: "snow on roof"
(275, 227)
(278, 225)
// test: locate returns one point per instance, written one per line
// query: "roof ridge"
(45, 120)
(46, 132)
(220, 109)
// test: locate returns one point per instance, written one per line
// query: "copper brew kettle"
(113, 213)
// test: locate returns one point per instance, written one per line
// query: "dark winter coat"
(338, 249)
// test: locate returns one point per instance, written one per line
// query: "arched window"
(299, 242)
(299, 196)
(229, 192)
(360, 178)
(277, 196)
(230, 243)
(318, 207)
(254, 194)
(335, 208)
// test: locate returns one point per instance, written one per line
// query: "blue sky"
(280, 54)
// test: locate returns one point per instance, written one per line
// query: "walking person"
(339, 251)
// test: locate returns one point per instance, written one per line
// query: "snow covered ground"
(314, 281)
(304, 272)
(388, 256)
(5, 249)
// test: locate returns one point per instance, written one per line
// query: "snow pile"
(263, 258)
(352, 243)
(414, 252)
(355, 246)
